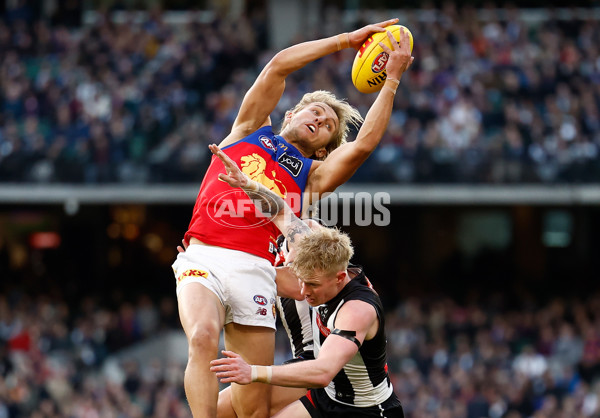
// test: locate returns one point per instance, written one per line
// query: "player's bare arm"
(261, 99)
(343, 162)
(358, 316)
(287, 284)
(266, 201)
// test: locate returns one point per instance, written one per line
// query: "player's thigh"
(201, 313)
(293, 410)
(281, 397)
(224, 406)
(257, 346)
(200, 295)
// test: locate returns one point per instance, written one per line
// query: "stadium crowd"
(491, 98)
(446, 359)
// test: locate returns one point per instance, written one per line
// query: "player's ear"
(321, 153)
(289, 114)
(340, 276)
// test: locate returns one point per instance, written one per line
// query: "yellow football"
(368, 68)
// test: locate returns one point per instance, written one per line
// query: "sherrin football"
(368, 68)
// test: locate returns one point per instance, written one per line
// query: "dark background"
(116, 251)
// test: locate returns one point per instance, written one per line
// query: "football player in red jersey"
(235, 248)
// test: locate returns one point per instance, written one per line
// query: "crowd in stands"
(446, 359)
(489, 360)
(502, 99)
(51, 355)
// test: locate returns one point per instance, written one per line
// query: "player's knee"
(203, 339)
(248, 410)
(252, 405)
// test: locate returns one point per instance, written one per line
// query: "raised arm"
(343, 162)
(357, 316)
(263, 96)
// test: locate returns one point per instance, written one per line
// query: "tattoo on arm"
(295, 229)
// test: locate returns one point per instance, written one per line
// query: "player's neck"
(306, 152)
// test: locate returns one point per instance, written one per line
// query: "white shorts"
(244, 283)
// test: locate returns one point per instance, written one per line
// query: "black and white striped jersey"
(295, 316)
(364, 380)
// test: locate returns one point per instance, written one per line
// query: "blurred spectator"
(499, 97)
(50, 358)
(445, 359)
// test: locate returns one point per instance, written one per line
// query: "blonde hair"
(346, 113)
(327, 250)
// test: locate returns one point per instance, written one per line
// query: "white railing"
(417, 194)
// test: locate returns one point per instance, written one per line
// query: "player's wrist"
(391, 84)
(251, 186)
(343, 41)
(261, 374)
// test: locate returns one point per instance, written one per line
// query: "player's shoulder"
(241, 133)
(359, 289)
(357, 311)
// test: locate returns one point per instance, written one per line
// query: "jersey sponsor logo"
(192, 273)
(255, 167)
(324, 330)
(261, 300)
(267, 143)
(379, 62)
(291, 164)
(261, 311)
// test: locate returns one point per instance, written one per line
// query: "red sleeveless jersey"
(226, 217)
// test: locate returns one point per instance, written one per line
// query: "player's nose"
(302, 289)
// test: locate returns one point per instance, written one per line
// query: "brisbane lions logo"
(254, 166)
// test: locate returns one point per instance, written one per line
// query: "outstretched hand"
(232, 368)
(234, 177)
(400, 58)
(359, 36)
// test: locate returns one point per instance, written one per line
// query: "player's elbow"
(322, 378)
(278, 66)
(320, 381)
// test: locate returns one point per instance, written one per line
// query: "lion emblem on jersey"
(254, 166)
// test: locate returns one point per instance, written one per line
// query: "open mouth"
(312, 128)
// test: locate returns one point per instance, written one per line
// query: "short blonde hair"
(346, 113)
(326, 250)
